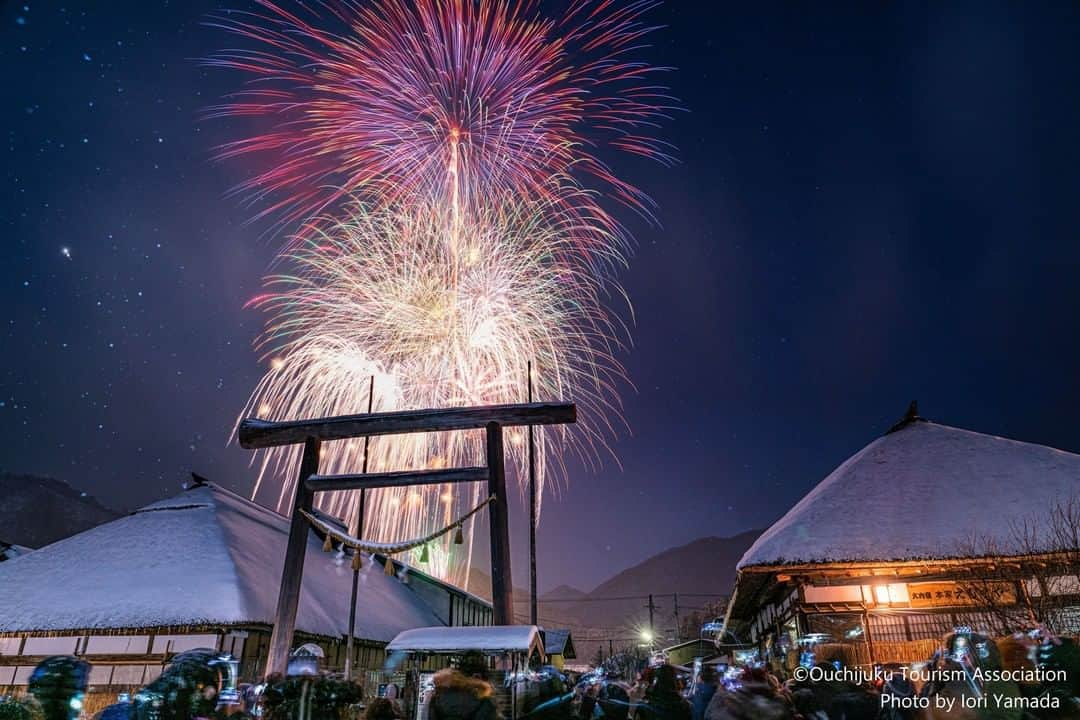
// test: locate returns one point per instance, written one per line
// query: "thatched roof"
(922, 491)
(204, 557)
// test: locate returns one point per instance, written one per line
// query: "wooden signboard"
(950, 594)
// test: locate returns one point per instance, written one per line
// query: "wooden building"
(909, 538)
(686, 653)
(558, 646)
(201, 569)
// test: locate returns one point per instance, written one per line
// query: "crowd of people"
(193, 688)
(760, 693)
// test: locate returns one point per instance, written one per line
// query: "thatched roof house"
(887, 546)
(201, 569)
(920, 491)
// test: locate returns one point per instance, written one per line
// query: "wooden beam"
(868, 637)
(926, 566)
(277, 660)
(255, 433)
(502, 592)
(371, 481)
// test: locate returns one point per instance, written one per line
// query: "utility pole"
(610, 647)
(359, 533)
(533, 610)
(652, 626)
(678, 626)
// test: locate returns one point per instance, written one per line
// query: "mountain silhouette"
(36, 511)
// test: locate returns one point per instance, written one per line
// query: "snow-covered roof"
(205, 556)
(512, 638)
(919, 492)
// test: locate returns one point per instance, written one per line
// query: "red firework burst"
(462, 98)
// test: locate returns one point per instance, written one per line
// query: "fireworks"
(382, 294)
(449, 151)
(462, 100)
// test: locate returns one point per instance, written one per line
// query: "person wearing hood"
(614, 701)
(896, 691)
(59, 684)
(463, 693)
(116, 711)
(663, 701)
(755, 699)
(382, 709)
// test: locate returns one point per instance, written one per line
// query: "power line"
(588, 599)
(556, 622)
(623, 598)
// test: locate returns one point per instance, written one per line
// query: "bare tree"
(1056, 574)
(1025, 578)
(1064, 525)
(691, 623)
(994, 586)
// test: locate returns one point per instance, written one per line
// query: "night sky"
(877, 202)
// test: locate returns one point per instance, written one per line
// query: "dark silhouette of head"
(666, 681)
(473, 665)
(381, 709)
(59, 683)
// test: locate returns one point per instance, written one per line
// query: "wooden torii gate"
(255, 434)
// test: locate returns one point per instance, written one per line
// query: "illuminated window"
(891, 594)
(898, 593)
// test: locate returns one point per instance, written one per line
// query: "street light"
(646, 636)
